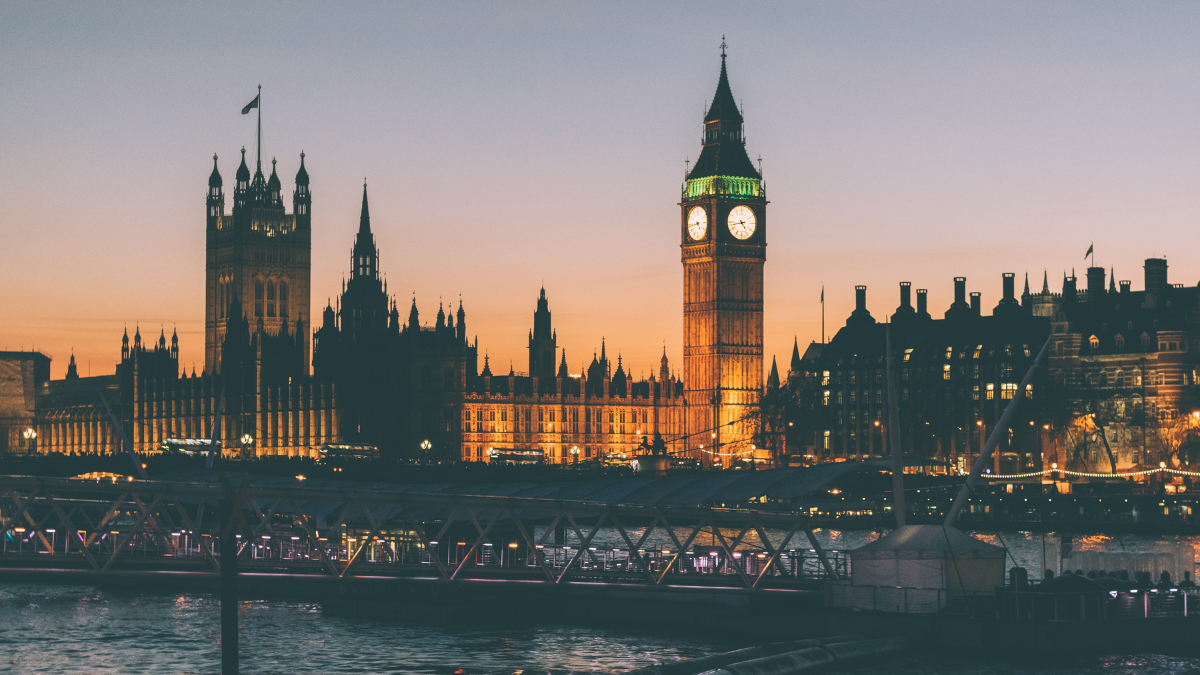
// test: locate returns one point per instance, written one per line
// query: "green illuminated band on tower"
(723, 185)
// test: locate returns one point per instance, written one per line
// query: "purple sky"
(507, 145)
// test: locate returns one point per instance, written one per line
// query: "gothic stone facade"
(723, 246)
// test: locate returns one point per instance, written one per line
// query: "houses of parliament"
(414, 387)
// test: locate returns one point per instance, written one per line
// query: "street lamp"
(425, 446)
(247, 443)
(575, 453)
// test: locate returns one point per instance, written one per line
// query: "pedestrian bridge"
(680, 531)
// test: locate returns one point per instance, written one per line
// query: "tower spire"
(364, 218)
(724, 151)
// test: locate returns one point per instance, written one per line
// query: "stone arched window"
(1119, 341)
(1094, 342)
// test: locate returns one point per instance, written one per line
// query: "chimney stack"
(860, 298)
(1125, 284)
(905, 298)
(1009, 286)
(975, 303)
(960, 290)
(923, 301)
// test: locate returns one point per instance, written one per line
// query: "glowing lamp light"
(1162, 465)
(301, 477)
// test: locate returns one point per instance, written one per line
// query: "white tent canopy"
(916, 561)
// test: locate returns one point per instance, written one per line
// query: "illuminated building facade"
(1118, 391)
(723, 246)
(593, 415)
(268, 410)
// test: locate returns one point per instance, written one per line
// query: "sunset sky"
(510, 145)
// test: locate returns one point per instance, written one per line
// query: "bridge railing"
(104, 526)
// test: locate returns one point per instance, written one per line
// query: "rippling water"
(80, 629)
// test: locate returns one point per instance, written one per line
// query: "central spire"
(364, 219)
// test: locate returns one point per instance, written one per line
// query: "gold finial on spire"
(723, 46)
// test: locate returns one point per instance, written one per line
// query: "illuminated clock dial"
(697, 222)
(742, 222)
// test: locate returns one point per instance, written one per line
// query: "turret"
(242, 189)
(273, 187)
(462, 322)
(773, 378)
(125, 345)
(215, 198)
(302, 198)
(72, 373)
(174, 343)
(413, 323)
(329, 317)
(441, 317)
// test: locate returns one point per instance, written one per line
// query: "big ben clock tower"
(723, 216)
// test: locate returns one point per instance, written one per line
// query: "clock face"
(742, 222)
(697, 222)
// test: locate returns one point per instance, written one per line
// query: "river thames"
(81, 629)
(86, 629)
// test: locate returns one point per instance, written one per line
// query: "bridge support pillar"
(229, 596)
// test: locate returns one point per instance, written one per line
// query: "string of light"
(1085, 474)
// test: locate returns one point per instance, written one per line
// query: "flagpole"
(259, 136)
(823, 337)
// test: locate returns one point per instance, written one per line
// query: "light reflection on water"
(79, 629)
(1138, 664)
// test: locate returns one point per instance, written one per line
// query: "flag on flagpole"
(251, 105)
(822, 294)
(1084, 255)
